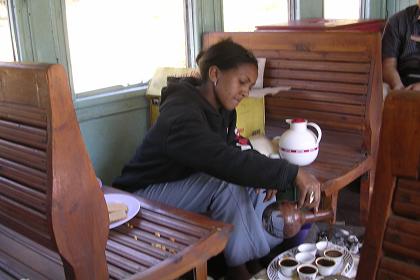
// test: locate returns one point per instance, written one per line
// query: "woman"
(189, 158)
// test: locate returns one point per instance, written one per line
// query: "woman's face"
(234, 84)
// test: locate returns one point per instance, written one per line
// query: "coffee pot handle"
(318, 130)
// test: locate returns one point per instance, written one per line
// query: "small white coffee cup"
(326, 266)
(307, 271)
(304, 257)
(308, 248)
(288, 266)
(334, 254)
(321, 246)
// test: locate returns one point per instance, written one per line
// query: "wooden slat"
(143, 242)
(345, 77)
(22, 154)
(312, 55)
(151, 239)
(131, 254)
(23, 195)
(152, 227)
(5, 276)
(399, 244)
(23, 134)
(402, 238)
(410, 184)
(407, 198)
(317, 86)
(279, 101)
(403, 224)
(117, 273)
(323, 96)
(384, 274)
(24, 175)
(411, 271)
(344, 123)
(27, 258)
(26, 219)
(333, 140)
(27, 115)
(122, 262)
(39, 235)
(334, 160)
(320, 65)
(10, 268)
(343, 150)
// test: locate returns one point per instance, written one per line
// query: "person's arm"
(415, 87)
(390, 73)
(192, 143)
(415, 38)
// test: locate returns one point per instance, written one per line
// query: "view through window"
(6, 46)
(343, 9)
(244, 15)
(123, 42)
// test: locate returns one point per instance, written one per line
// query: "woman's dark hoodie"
(190, 136)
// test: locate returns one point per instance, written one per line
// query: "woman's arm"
(192, 143)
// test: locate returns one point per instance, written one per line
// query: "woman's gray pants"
(223, 201)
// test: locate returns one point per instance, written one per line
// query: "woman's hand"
(415, 86)
(309, 190)
(269, 193)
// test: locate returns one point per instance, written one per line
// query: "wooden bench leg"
(200, 271)
(330, 202)
(366, 189)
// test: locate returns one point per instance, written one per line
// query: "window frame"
(40, 34)
(118, 89)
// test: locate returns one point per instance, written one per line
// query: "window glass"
(122, 42)
(6, 46)
(343, 9)
(244, 15)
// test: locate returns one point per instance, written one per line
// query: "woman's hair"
(226, 55)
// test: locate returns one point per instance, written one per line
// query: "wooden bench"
(391, 248)
(53, 216)
(336, 82)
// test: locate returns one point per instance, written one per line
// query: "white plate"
(273, 268)
(132, 203)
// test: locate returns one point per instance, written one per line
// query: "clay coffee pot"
(293, 218)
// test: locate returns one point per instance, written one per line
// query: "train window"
(244, 15)
(6, 45)
(344, 9)
(121, 43)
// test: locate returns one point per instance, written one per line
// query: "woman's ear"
(213, 74)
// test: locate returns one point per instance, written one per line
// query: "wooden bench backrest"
(336, 78)
(392, 240)
(48, 188)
